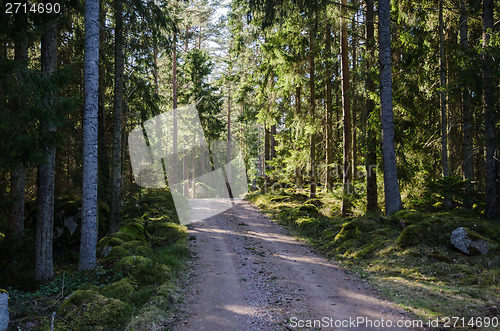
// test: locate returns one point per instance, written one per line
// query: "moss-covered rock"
(137, 247)
(132, 232)
(315, 202)
(204, 191)
(89, 310)
(306, 224)
(163, 233)
(416, 234)
(308, 208)
(121, 290)
(144, 270)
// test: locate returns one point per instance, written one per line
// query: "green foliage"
(29, 98)
(196, 69)
(436, 190)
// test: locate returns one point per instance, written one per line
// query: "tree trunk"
(312, 193)
(328, 78)
(229, 135)
(468, 167)
(392, 196)
(346, 109)
(104, 173)
(442, 104)
(273, 141)
(354, 39)
(90, 136)
(298, 169)
(371, 142)
(173, 181)
(18, 174)
(44, 267)
(116, 191)
(491, 156)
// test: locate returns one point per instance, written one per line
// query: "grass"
(407, 256)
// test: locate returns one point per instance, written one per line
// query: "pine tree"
(90, 131)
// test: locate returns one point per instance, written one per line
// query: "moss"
(306, 224)
(121, 290)
(166, 233)
(281, 199)
(132, 232)
(204, 191)
(347, 232)
(315, 202)
(144, 270)
(408, 217)
(415, 234)
(137, 247)
(439, 255)
(308, 208)
(89, 310)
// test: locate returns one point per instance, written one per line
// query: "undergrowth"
(407, 256)
(136, 274)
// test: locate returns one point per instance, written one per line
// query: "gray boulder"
(469, 242)
(4, 310)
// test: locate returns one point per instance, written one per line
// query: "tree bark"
(392, 196)
(90, 136)
(491, 155)
(18, 174)
(116, 192)
(273, 141)
(442, 104)
(173, 181)
(312, 193)
(298, 169)
(467, 157)
(346, 110)
(44, 267)
(371, 143)
(328, 78)
(104, 171)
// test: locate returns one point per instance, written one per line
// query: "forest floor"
(249, 273)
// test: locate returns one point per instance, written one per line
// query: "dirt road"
(250, 274)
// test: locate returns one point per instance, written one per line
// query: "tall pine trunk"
(312, 101)
(18, 174)
(467, 157)
(298, 101)
(44, 266)
(346, 110)
(442, 104)
(491, 155)
(371, 142)
(116, 181)
(90, 136)
(173, 181)
(392, 196)
(329, 128)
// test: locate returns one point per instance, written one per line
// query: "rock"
(4, 310)
(469, 242)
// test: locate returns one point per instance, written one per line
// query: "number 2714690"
(37, 8)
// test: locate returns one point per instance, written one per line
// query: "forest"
(369, 128)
